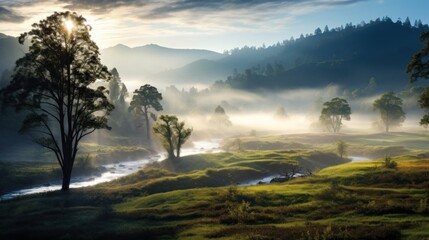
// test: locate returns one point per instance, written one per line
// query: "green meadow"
(197, 197)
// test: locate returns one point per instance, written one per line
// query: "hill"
(359, 200)
(11, 51)
(150, 59)
(347, 56)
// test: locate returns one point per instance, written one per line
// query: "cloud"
(7, 15)
(167, 8)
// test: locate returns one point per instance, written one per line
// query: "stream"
(268, 179)
(116, 170)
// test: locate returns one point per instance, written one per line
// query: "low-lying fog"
(249, 111)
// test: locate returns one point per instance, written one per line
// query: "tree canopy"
(390, 107)
(419, 68)
(52, 82)
(145, 98)
(172, 133)
(333, 113)
(220, 118)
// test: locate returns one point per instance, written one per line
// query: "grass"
(189, 199)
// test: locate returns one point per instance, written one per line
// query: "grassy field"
(191, 199)
(368, 145)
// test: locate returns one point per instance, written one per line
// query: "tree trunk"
(66, 180)
(147, 125)
(178, 150)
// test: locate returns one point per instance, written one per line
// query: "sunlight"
(69, 25)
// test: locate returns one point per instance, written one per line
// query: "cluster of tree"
(335, 111)
(419, 68)
(329, 57)
(60, 84)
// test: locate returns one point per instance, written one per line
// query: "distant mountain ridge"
(348, 56)
(146, 60)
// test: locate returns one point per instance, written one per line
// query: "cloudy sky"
(210, 24)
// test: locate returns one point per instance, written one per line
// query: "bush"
(389, 163)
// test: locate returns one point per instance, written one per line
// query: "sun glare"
(69, 25)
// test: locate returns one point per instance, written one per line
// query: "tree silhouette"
(342, 148)
(220, 118)
(182, 134)
(390, 107)
(172, 133)
(52, 83)
(333, 113)
(145, 98)
(419, 68)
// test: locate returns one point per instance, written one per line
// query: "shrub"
(389, 163)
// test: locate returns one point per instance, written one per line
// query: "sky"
(216, 25)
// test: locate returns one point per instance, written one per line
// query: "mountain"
(150, 59)
(10, 51)
(347, 56)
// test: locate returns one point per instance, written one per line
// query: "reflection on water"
(117, 170)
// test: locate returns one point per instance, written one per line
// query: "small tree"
(333, 113)
(220, 118)
(419, 68)
(390, 107)
(52, 82)
(342, 148)
(172, 133)
(280, 113)
(145, 98)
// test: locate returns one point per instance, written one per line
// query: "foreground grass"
(349, 201)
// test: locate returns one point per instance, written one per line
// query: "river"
(268, 179)
(116, 170)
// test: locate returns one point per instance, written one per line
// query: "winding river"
(117, 170)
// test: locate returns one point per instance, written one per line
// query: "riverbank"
(23, 178)
(361, 200)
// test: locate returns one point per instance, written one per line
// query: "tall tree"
(390, 107)
(182, 134)
(419, 68)
(117, 90)
(333, 113)
(146, 98)
(52, 83)
(173, 134)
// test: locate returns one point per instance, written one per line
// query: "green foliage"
(390, 163)
(419, 64)
(144, 99)
(85, 162)
(342, 148)
(424, 103)
(172, 133)
(390, 107)
(333, 113)
(239, 213)
(53, 83)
